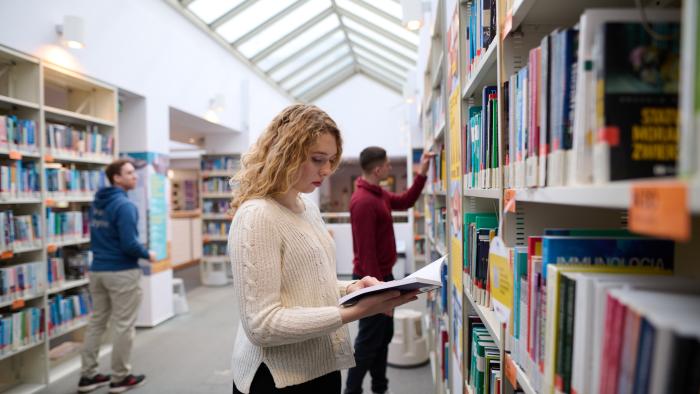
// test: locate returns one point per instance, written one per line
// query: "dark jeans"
(371, 350)
(263, 384)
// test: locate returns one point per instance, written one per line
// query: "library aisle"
(191, 353)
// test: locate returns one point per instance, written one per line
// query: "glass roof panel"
(284, 26)
(380, 21)
(381, 73)
(316, 32)
(352, 25)
(317, 67)
(373, 47)
(209, 10)
(388, 6)
(251, 17)
(323, 75)
(368, 55)
(323, 46)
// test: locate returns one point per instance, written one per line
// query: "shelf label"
(15, 155)
(8, 254)
(48, 158)
(509, 201)
(18, 304)
(511, 371)
(51, 248)
(660, 209)
(50, 202)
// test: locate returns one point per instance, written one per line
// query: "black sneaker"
(88, 384)
(128, 383)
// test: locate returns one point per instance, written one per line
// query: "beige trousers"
(116, 295)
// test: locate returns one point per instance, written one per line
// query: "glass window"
(323, 45)
(379, 73)
(323, 76)
(251, 17)
(316, 32)
(284, 26)
(209, 10)
(373, 47)
(380, 21)
(390, 7)
(352, 25)
(368, 55)
(317, 67)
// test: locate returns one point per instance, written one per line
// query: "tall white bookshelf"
(46, 94)
(520, 25)
(215, 172)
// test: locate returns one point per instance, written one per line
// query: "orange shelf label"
(511, 371)
(17, 304)
(8, 254)
(50, 202)
(660, 209)
(48, 158)
(15, 155)
(509, 201)
(51, 248)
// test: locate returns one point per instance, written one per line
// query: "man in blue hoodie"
(114, 280)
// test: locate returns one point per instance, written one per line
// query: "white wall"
(148, 48)
(367, 114)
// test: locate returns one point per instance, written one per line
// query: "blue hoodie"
(114, 235)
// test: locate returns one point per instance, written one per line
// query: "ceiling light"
(412, 13)
(72, 32)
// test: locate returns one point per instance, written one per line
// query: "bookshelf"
(215, 172)
(542, 191)
(47, 184)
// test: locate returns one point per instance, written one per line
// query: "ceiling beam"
(312, 61)
(380, 56)
(267, 23)
(378, 11)
(375, 28)
(293, 34)
(380, 79)
(328, 84)
(314, 75)
(186, 3)
(382, 46)
(380, 67)
(345, 31)
(303, 50)
(230, 14)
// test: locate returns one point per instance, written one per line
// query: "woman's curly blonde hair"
(271, 166)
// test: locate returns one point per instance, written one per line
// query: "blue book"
(612, 251)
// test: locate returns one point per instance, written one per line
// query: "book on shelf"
(637, 111)
(20, 281)
(425, 279)
(65, 309)
(22, 328)
(66, 140)
(18, 134)
(19, 179)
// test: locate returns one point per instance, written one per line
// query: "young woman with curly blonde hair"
(292, 336)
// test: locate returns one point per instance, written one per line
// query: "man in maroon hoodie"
(374, 247)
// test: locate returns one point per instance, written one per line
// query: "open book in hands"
(425, 279)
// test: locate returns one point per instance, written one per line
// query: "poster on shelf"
(453, 54)
(150, 197)
(500, 279)
(456, 323)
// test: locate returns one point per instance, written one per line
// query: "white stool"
(213, 273)
(409, 347)
(179, 297)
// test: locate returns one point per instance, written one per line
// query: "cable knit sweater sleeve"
(255, 248)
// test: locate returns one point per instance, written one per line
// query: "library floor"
(191, 353)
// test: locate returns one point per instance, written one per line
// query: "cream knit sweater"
(287, 290)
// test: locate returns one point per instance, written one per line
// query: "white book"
(425, 279)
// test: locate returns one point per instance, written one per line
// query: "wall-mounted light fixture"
(412, 15)
(72, 32)
(216, 105)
